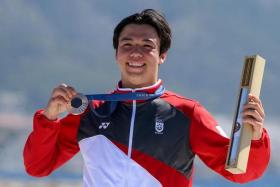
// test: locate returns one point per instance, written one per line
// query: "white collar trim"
(142, 88)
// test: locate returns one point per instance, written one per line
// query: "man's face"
(138, 55)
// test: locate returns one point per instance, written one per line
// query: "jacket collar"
(148, 89)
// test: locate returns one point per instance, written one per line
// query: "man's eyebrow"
(129, 39)
(149, 40)
(125, 39)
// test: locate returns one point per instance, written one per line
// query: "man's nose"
(136, 53)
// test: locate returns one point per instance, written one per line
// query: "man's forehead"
(143, 31)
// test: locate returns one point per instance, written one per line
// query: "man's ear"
(162, 57)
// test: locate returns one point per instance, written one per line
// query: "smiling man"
(143, 142)
(138, 55)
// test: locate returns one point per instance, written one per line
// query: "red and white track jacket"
(143, 144)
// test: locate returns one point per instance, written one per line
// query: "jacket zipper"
(129, 152)
(132, 121)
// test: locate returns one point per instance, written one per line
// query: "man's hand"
(253, 114)
(61, 96)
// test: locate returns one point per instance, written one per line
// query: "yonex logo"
(104, 125)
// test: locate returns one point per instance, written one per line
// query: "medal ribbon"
(113, 100)
(126, 96)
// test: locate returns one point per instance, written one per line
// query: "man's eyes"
(126, 44)
(148, 46)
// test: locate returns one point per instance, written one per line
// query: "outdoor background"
(45, 43)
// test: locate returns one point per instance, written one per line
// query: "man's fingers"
(251, 113)
(69, 90)
(253, 122)
(72, 91)
(55, 106)
(254, 103)
(60, 91)
(257, 127)
(251, 106)
(65, 91)
(58, 100)
(255, 99)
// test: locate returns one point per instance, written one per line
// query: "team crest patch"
(159, 127)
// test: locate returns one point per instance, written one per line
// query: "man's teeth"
(135, 64)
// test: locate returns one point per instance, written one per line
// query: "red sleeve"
(211, 147)
(50, 144)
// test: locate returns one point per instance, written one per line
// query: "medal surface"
(78, 104)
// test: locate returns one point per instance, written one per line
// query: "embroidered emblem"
(159, 126)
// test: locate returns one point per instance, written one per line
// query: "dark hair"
(150, 17)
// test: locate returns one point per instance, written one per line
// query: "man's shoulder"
(180, 102)
(170, 95)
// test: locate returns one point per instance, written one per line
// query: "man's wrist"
(257, 136)
(49, 116)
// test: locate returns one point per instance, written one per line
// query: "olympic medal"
(78, 104)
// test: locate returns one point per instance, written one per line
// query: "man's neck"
(135, 86)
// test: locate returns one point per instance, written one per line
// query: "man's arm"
(208, 143)
(52, 141)
(50, 144)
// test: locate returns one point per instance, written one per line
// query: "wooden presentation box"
(241, 135)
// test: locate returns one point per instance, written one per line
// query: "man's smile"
(136, 64)
(135, 67)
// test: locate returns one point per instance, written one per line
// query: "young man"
(143, 143)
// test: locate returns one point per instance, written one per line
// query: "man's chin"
(136, 82)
